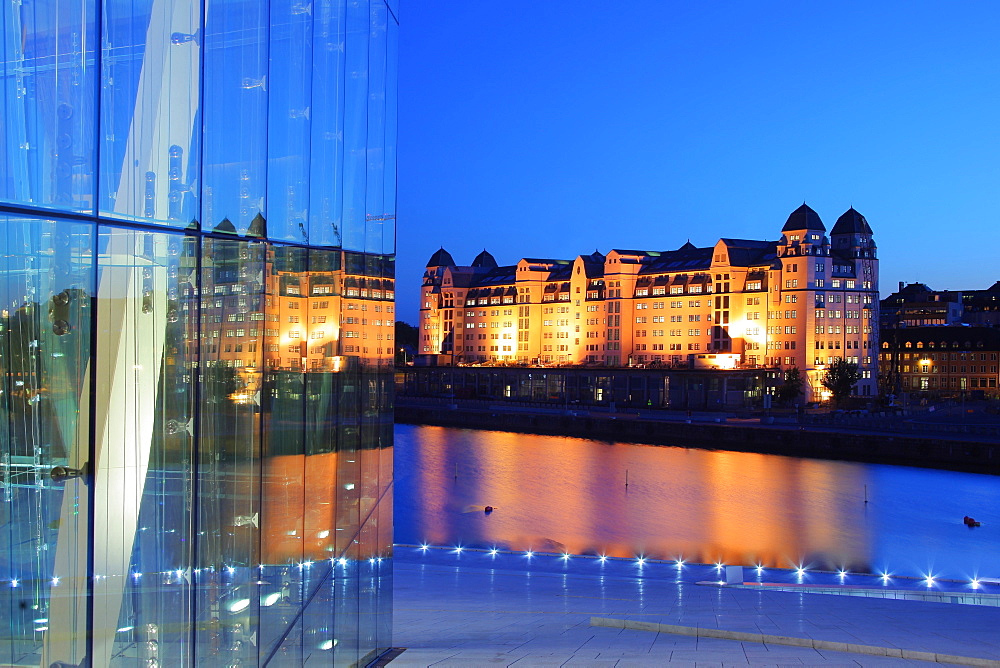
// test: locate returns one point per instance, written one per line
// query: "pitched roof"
(851, 222)
(803, 218)
(441, 258)
(484, 260)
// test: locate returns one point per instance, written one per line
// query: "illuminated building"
(801, 301)
(940, 361)
(196, 322)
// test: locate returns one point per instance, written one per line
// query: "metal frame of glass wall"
(197, 229)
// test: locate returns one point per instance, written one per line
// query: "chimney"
(901, 286)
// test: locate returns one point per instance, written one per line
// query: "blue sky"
(549, 129)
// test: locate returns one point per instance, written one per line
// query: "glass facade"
(197, 228)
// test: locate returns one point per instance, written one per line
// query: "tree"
(840, 379)
(790, 390)
(407, 338)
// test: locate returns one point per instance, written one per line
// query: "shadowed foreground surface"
(473, 609)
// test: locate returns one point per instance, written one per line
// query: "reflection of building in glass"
(801, 301)
(196, 288)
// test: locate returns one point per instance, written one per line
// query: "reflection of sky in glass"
(251, 111)
(563, 494)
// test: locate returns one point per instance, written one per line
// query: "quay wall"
(976, 455)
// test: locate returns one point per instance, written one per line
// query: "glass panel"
(347, 593)
(327, 114)
(375, 214)
(235, 116)
(233, 320)
(383, 581)
(288, 124)
(367, 569)
(317, 633)
(355, 125)
(389, 171)
(149, 110)
(146, 354)
(47, 112)
(284, 484)
(45, 324)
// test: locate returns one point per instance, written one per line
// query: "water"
(558, 494)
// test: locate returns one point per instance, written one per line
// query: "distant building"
(940, 360)
(801, 301)
(916, 305)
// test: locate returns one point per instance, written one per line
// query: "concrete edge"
(791, 641)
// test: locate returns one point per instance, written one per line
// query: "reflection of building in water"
(801, 302)
(196, 286)
(567, 494)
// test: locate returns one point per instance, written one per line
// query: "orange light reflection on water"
(564, 494)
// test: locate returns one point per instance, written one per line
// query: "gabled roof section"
(593, 265)
(803, 218)
(749, 252)
(748, 243)
(485, 260)
(851, 222)
(441, 258)
(686, 258)
(910, 292)
(495, 276)
(561, 272)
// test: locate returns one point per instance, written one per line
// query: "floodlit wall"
(197, 228)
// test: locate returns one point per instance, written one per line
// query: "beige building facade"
(800, 301)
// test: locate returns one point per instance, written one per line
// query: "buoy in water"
(488, 509)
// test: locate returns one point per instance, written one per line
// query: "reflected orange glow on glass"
(565, 494)
(299, 526)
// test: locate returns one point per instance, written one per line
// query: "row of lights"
(641, 561)
(180, 573)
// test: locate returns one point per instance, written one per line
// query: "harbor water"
(579, 496)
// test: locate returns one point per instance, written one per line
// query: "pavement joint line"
(855, 590)
(512, 612)
(792, 641)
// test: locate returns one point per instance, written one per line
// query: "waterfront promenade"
(476, 609)
(916, 440)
